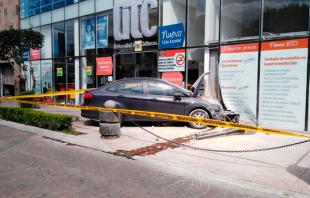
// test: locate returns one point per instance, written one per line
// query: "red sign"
(104, 66)
(34, 54)
(173, 77)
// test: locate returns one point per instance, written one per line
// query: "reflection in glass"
(285, 18)
(202, 22)
(59, 39)
(70, 37)
(240, 19)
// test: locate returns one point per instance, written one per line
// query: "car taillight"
(87, 95)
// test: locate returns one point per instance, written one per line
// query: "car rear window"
(131, 87)
(112, 88)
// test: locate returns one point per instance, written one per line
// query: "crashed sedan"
(155, 95)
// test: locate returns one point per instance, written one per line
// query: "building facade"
(257, 50)
(9, 15)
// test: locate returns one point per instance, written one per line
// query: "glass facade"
(200, 35)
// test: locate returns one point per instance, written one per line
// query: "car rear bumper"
(90, 114)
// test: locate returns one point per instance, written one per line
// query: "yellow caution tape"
(48, 94)
(175, 117)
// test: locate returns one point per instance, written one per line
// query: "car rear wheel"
(200, 113)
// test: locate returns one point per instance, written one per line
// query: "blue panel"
(171, 36)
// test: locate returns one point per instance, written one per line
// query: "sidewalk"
(285, 171)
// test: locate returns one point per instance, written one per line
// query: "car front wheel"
(201, 114)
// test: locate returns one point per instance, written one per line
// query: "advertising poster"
(171, 36)
(283, 74)
(34, 76)
(104, 66)
(102, 31)
(171, 60)
(88, 34)
(47, 78)
(238, 71)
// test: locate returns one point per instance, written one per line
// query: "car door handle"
(154, 99)
(121, 96)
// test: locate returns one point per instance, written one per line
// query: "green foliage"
(13, 41)
(24, 105)
(62, 123)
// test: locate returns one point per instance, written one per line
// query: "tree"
(13, 42)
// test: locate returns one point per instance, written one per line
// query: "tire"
(121, 119)
(201, 114)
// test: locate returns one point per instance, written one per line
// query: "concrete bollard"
(109, 126)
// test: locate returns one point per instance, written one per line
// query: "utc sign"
(129, 15)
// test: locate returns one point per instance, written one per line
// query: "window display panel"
(46, 6)
(60, 72)
(70, 37)
(285, 18)
(58, 4)
(202, 22)
(24, 8)
(34, 7)
(58, 39)
(46, 50)
(87, 72)
(240, 19)
(172, 12)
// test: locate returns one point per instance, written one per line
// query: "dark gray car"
(153, 94)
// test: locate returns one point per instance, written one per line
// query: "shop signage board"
(104, 66)
(173, 77)
(102, 31)
(171, 36)
(238, 71)
(171, 60)
(283, 78)
(34, 54)
(129, 17)
(88, 70)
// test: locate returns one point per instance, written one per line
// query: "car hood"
(196, 86)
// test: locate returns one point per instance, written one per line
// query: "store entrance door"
(132, 65)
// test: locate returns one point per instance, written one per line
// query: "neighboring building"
(257, 49)
(9, 15)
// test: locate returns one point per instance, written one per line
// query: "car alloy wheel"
(201, 114)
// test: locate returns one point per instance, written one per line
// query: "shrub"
(40, 119)
(25, 105)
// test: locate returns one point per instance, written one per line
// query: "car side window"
(131, 87)
(158, 88)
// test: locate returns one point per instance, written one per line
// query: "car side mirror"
(177, 96)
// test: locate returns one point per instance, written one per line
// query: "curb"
(62, 137)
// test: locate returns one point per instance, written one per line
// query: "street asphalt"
(236, 159)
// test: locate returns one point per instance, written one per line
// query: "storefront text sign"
(104, 66)
(173, 77)
(238, 78)
(171, 60)
(34, 54)
(283, 81)
(171, 36)
(131, 20)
